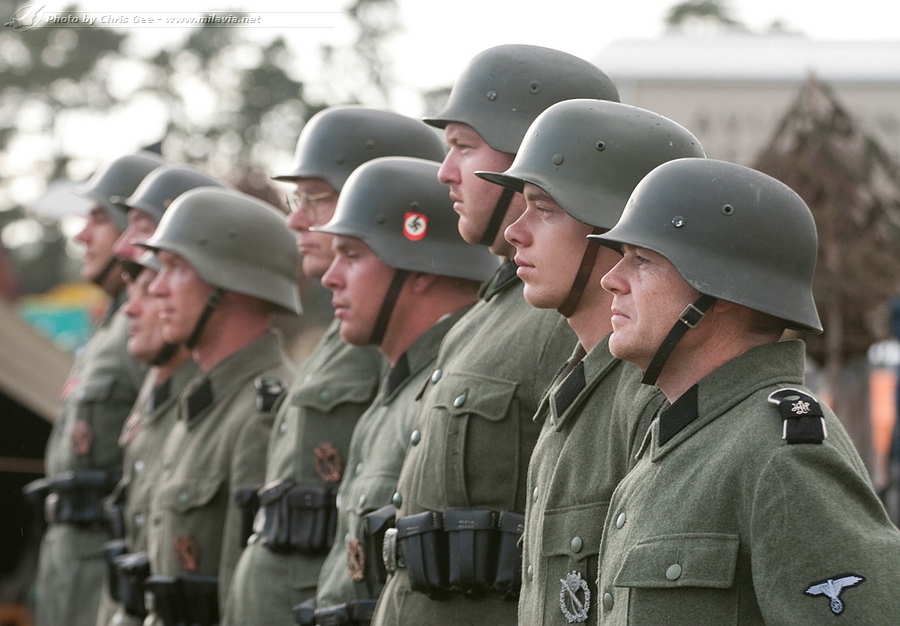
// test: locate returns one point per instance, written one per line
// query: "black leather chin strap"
(493, 227)
(212, 303)
(584, 273)
(689, 318)
(387, 307)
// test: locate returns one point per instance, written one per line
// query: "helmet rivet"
(728, 209)
(558, 159)
(370, 144)
(492, 95)
(600, 146)
(380, 219)
(202, 241)
(534, 87)
(232, 233)
(677, 221)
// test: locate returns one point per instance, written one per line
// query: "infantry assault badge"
(575, 609)
(832, 588)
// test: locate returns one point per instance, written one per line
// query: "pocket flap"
(190, 494)
(98, 388)
(682, 560)
(328, 394)
(574, 531)
(465, 394)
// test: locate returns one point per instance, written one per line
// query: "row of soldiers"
(554, 391)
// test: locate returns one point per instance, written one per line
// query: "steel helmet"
(337, 140)
(398, 208)
(234, 242)
(120, 177)
(503, 89)
(732, 232)
(589, 155)
(160, 188)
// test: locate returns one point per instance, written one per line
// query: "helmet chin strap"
(165, 354)
(499, 212)
(387, 307)
(581, 277)
(688, 319)
(100, 277)
(212, 303)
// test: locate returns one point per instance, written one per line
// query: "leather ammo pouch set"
(184, 601)
(353, 613)
(75, 497)
(126, 573)
(247, 500)
(471, 551)
(374, 526)
(296, 518)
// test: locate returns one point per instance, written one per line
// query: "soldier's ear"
(421, 282)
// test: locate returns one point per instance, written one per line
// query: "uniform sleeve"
(248, 467)
(822, 545)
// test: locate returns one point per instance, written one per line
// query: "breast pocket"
(483, 460)
(570, 546)
(682, 579)
(194, 517)
(103, 405)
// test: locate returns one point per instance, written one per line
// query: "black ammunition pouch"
(296, 518)
(422, 548)
(112, 551)
(134, 569)
(375, 524)
(353, 613)
(305, 613)
(74, 497)
(247, 500)
(469, 551)
(184, 601)
(114, 511)
(473, 537)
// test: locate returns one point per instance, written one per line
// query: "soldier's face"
(648, 297)
(313, 204)
(182, 297)
(141, 225)
(99, 236)
(473, 199)
(145, 338)
(359, 282)
(549, 246)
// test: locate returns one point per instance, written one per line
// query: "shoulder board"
(801, 414)
(269, 392)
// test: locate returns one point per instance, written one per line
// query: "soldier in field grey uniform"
(461, 494)
(595, 413)
(83, 460)
(748, 503)
(227, 264)
(396, 210)
(154, 411)
(308, 448)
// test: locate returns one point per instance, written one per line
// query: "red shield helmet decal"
(415, 225)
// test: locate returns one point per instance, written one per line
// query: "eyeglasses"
(308, 205)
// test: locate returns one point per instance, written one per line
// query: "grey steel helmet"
(234, 242)
(732, 232)
(503, 89)
(337, 140)
(160, 188)
(120, 177)
(589, 155)
(398, 208)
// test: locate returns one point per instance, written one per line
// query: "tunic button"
(362, 500)
(359, 468)
(436, 376)
(397, 500)
(183, 497)
(620, 521)
(534, 494)
(138, 466)
(325, 394)
(530, 572)
(139, 520)
(282, 428)
(577, 544)
(607, 601)
(460, 400)
(673, 572)
(415, 438)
